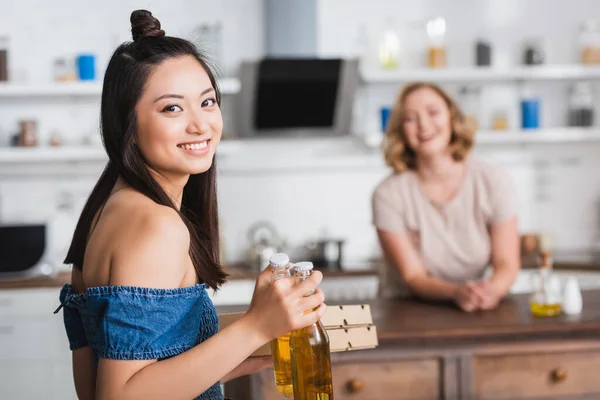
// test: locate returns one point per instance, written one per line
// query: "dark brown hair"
(126, 75)
(398, 153)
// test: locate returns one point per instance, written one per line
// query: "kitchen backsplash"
(557, 188)
(557, 183)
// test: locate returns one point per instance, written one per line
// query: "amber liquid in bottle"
(311, 360)
(311, 363)
(282, 364)
(545, 303)
(280, 347)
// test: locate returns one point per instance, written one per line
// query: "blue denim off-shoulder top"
(135, 323)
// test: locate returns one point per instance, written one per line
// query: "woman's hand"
(249, 366)
(477, 296)
(492, 297)
(278, 307)
(470, 296)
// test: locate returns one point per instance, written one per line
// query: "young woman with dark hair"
(138, 316)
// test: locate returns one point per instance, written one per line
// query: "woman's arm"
(84, 373)
(506, 260)
(401, 253)
(249, 366)
(154, 253)
(84, 364)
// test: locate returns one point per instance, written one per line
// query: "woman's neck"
(172, 187)
(439, 168)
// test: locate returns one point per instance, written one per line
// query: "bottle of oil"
(545, 300)
(309, 348)
(280, 347)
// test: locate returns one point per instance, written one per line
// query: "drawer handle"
(355, 385)
(559, 374)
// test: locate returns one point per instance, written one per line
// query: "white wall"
(557, 184)
(42, 31)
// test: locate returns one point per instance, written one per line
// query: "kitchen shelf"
(549, 135)
(61, 89)
(541, 136)
(68, 153)
(481, 74)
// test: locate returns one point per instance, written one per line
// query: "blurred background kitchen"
(295, 175)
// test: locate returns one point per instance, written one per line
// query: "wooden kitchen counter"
(236, 272)
(435, 351)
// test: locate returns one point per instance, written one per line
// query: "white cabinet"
(35, 360)
(351, 288)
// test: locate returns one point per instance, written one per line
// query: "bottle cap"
(303, 266)
(279, 260)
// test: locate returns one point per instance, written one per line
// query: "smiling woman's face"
(427, 123)
(179, 122)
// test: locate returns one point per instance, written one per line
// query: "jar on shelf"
(533, 53)
(27, 133)
(3, 58)
(64, 70)
(436, 50)
(470, 100)
(500, 120)
(581, 105)
(589, 42)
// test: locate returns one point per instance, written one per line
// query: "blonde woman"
(443, 217)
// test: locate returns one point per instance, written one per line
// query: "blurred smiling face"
(179, 120)
(426, 123)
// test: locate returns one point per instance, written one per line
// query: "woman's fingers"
(308, 285)
(312, 317)
(312, 301)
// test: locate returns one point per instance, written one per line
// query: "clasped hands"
(472, 296)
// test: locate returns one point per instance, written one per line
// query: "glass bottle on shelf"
(470, 100)
(581, 105)
(436, 51)
(589, 42)
(389, 47)
(4, 58)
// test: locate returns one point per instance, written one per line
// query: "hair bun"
(143, 24)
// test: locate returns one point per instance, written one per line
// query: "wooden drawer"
(548, 375)
(402, 380)
(398, 380)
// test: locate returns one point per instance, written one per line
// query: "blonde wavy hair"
(399, 155)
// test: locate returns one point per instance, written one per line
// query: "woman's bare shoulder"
(149, 242)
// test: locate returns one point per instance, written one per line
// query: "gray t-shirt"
(452, 238)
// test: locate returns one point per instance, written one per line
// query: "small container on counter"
(572, 299)
(545, 301)
(581, 105)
